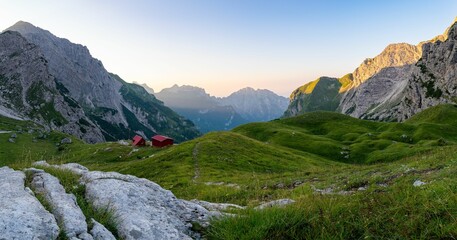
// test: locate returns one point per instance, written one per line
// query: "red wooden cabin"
(138, 141)
(161, 141)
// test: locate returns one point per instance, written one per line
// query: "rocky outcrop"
(380, 80)
(63, 205)
(99, 232)
(21, 215)
(430, 81)
(398, 83)
(141, 208)
(72, 91)
(394, 55)
(29, 91)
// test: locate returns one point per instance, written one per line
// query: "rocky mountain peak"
(78, 95)
(443, 37)
(247, 89)
(256, 105)
(394, 55)
(22, 26)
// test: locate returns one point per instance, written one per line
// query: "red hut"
(161, 141)
(138, 141)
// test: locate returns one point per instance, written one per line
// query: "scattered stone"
(233, 185)
(99, 232)
(108, 149)
(297, 183)
(73, 167)
(63, 205)
(362, 188)
(21, 215)
(214, 183)
(41, 163)
(123, 142)
(323, 191)
(11, 140)
(30, 131)
(133, 151)
(217, 206)
(275, 203)
(418, 183)
(14, 135)
(66, 141)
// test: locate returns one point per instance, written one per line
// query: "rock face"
(28, 90)
(142, 208)
(400, 82)
(201, 108)
(63, 87)
(21, 215)
(380, 80)
(63, 205)
(256, 105)
(394, 55)
(99, 232)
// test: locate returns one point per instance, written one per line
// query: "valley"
(327, 162)
(368, 154)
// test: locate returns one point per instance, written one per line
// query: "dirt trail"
(195, 159)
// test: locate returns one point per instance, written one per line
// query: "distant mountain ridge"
(201, 108)
(256, 105)
(96, 106)
(402, 80)
(210, 113)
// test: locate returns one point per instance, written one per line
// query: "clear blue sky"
(223, 46)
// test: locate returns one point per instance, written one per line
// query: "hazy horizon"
(225, 46)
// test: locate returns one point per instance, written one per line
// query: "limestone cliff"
(29, 91)
(112, 108)
(401, 81)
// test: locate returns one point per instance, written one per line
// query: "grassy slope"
(322, 94)
(290, 158)
(342, 138)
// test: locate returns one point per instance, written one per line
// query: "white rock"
(143, 210)
(63, 205)
(418, 183)
(216, 206)
(123, 142)
(21, 215)
(99, 232)
(275, 203)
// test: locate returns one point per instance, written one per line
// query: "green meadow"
(350, 178)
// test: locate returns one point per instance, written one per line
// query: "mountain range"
(210, 113)
(402, 80)
(59, 85)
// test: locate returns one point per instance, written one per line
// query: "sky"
(226, 45)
